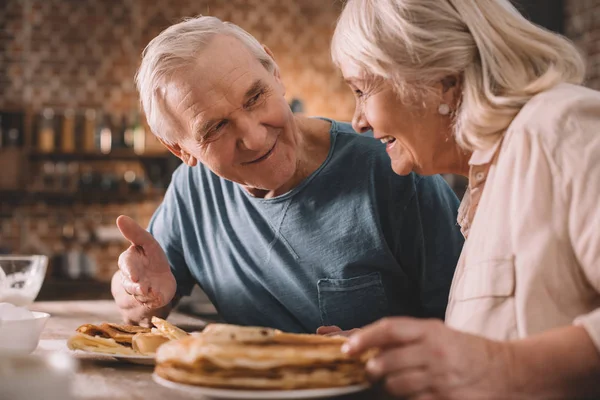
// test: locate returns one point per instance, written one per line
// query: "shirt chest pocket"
(487, 279)
(353, 302)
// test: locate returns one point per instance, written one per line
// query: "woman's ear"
(451, 91)
(180, 153)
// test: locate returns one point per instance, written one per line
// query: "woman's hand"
(424, 359)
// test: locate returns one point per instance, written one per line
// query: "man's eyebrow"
(256, 88)
(201, 130)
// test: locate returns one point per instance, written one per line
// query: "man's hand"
(424, 359)
(144, 279)
(332, 330)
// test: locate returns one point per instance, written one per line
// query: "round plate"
(142, 360)
(258, 394)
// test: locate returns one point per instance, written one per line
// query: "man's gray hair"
(177, 48)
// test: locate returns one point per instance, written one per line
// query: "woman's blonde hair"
(503, 59)
(176, 48)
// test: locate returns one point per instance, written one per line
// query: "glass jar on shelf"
(67, 134)
(46, 131)
(89, 130)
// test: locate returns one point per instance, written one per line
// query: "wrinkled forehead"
(221, 66)
(218, 79)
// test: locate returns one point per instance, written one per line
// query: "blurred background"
(74, 150)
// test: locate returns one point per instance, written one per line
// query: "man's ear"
(180, 153)
(276, 70)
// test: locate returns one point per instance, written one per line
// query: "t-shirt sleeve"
(166, 228)
(430, 227)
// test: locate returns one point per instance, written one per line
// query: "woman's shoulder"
(558, 105)
(564, 114)
(564, 123)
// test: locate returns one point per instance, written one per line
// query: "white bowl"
(21, 278)
(20, 337)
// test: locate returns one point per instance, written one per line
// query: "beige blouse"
(532, 258)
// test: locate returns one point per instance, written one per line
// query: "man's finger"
(127, 265)
(324, 330)
(343, 333)
(132, 288)
(395, 331)
(131, 231)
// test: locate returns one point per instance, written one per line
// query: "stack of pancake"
(116, 339)
(230, 356)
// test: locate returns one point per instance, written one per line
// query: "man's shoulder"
(191, 186)
(345, 128)
(361, 154)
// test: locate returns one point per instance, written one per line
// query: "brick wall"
(582, 25)
(84, 53)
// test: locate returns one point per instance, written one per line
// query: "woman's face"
(417, 136)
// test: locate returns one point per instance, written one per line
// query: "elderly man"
(283, 221)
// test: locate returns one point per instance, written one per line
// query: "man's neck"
(313, 144)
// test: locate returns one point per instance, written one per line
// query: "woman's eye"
(358, 93)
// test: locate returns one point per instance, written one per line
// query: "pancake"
(227, 333)
(98, 344)
(147, 343)
(236, 357)
(121, 339)
(167, 329)
(120, 333)
(280, 379)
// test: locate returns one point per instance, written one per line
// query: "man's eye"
(253, 100)
(219, 126)
(214, 130)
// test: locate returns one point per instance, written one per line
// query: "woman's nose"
(359, 122)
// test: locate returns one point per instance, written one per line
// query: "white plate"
(60, 345)
(258, 394)
(142, 360)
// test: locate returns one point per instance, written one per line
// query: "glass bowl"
(21, 278)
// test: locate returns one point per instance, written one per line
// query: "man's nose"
(252, 135)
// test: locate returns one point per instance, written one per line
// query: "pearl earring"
(444, 109)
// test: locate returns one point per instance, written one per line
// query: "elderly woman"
(523, 320)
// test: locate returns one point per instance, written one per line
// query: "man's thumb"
(131, 231)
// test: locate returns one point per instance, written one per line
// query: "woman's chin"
(402, 167)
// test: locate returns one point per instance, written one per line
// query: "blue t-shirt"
(352, 243)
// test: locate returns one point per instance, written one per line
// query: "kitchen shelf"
(124, 155)
(81, 289)
(81, 196)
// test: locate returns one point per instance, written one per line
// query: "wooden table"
(103, 377)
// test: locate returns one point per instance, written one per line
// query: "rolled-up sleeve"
(582, 161)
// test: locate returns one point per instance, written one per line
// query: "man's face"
(232, 117)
